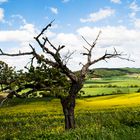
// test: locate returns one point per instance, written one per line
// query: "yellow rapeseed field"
(111, 101)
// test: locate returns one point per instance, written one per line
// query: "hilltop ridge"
(109, 72)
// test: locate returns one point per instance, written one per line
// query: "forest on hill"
(109, 72)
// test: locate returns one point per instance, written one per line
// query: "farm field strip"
(113, 85)
(111, 101)
(96, 118)
(107, 91)
(54, 106)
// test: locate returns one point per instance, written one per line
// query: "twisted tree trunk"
(68, 105)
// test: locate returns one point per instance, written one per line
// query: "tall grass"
(101, 118)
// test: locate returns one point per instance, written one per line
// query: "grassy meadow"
(109, 110)
(109, 117)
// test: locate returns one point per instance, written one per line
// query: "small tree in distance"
(75, 81)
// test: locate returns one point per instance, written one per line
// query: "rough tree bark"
(68, 102)
(68, 105)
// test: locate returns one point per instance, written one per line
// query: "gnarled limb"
(106, 56)
(16, 54)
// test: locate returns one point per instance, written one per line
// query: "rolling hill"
(109, 72)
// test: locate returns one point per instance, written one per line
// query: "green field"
(107, 117)
(113, 116)
(113, 85)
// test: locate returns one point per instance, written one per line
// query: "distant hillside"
(108, 72)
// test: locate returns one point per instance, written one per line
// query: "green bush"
(138, 90)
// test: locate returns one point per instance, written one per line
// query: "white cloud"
(1, 14)
(100, 15)
(67, 39)
(111, 35)
(50, 34)
(116, 1)
(18, 62)
(133, 6)
(137, 23)
(2, 1)
(21, 18)
(65, 1)
(25, 33)
(16, 40)
(54, 10)
(119, 37)
(132, 15)
(28, 27)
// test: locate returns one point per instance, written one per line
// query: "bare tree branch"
(57, 61)
(95, 41)
(106, 56)
(44, 29)
(89, 54)
(87, 42)
(86, 48)
(89, 51)
(55, 55)
(16, 54)
(67, 57)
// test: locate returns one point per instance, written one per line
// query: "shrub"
(138, 90)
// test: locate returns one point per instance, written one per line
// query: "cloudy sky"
(119, 21)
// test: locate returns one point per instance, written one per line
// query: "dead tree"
(76, 82)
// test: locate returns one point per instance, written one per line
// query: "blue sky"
(119, 21)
